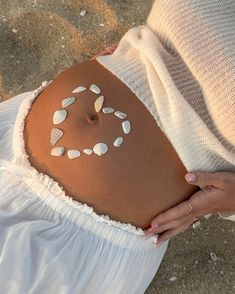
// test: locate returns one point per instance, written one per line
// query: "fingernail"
(190, 177)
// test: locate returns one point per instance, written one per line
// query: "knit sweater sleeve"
(180, 64)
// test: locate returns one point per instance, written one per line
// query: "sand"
(39, 39)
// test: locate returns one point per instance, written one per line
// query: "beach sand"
(41, 38)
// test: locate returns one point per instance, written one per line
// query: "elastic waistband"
(80, 214)
(122, 234)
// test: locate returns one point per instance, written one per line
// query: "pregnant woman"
(91, 158)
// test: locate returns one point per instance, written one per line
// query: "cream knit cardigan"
(181, 65)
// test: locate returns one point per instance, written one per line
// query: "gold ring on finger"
(190, 208)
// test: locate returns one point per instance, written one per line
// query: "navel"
(100, 148)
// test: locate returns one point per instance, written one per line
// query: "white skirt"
(50, 243)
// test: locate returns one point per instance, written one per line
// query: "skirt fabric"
(52, 243)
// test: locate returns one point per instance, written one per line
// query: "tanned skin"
(132, 183)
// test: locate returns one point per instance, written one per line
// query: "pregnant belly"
(131, 183)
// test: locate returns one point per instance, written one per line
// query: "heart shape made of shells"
(61, 115)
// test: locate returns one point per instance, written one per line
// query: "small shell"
(120, 114)
(68, 101)
(73, 153)
(56, 134)
(59, 116)
(99, 103)
(214, 256)
(79, 89)
(118, 142)
(88, 151)
(83, 13)
(108, 110)
(173, 278)
(100, 148)
(126, 126)
(57, 151)
(94, 88)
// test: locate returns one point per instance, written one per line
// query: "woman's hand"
(106, 51)
(218, 195)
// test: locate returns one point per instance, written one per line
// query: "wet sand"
(39, 39)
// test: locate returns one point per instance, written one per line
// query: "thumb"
(203, 179)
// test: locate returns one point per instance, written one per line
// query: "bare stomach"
(131, 183)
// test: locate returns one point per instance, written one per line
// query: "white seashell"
(214, 256)
(94, 88)
(57, 151)
(118, 142)
(173, 278)
(68, 101)
(56, 134)
(79, 89)
(100, 148)
(73, 153)
(59, 116)
(108, 110)
(120, 114)
(88, 151)
(126, 126)
(99, 103)
(83, 13)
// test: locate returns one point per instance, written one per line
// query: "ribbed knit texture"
(181, 65)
